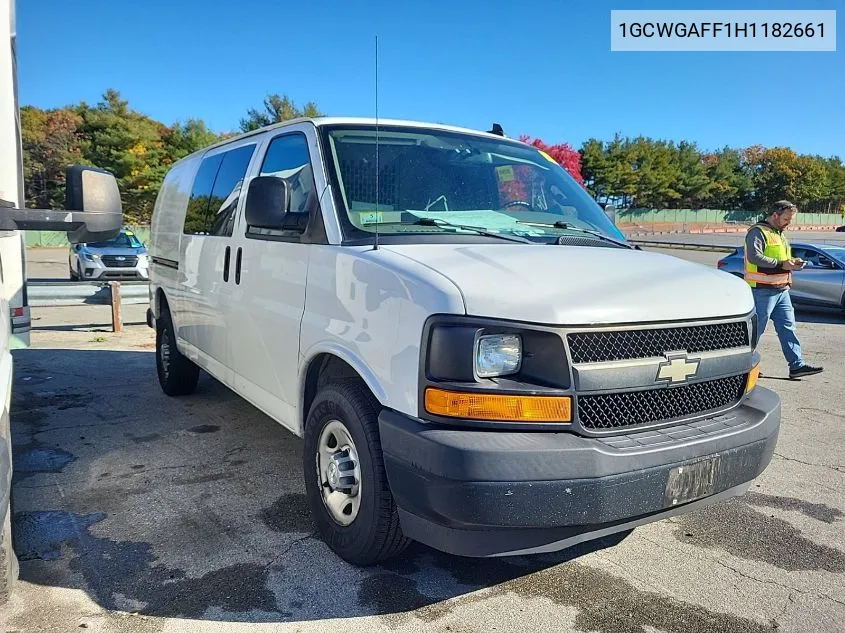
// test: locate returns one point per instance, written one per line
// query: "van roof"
(335, 120)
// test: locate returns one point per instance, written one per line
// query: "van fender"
(355, 362)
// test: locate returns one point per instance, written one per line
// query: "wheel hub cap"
(339, 473)
(164, 353)
(334, 480)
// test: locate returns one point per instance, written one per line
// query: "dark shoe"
(804, 370)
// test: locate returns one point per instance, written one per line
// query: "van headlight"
(498, 355)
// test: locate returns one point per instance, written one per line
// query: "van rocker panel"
(489, 493)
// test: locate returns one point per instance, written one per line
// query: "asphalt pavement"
(138, 512)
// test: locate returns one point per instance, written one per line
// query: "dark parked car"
(821, 283)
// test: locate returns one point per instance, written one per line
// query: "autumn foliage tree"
(50, 140)
(110, 134)
(655, 173)
(637, 171)
(562, 153)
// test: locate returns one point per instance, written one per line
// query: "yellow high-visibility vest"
(777, 247)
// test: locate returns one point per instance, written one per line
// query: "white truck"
(92, 211)
(474, 355)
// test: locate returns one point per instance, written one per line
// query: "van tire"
(375, 534)
(177, 375)
(8, 560)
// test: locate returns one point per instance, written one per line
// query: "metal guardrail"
(64, 293)
(110, 293)
(718, 248)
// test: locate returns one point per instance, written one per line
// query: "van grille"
(610, 345)
(112, 261)
(633, 408)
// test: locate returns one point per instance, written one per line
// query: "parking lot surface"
(138, 512)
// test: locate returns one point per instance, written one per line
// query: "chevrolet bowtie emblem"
(677, 368)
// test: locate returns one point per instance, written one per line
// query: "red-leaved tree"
(563, 154)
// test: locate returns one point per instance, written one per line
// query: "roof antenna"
(378, 221)
(497, 129)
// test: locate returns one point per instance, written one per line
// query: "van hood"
(576, 285)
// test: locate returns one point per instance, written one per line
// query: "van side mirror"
(267, 202)
(93, 209)
(94, 192)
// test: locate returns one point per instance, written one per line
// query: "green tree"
(595, 167)
(812, 183)
(275, 110)
(731, 185)
(655, 173)
(775, 172)
(131, 146)
(182, 139)
(835, 194)
(694, 182)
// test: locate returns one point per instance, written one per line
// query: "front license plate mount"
(691, 481)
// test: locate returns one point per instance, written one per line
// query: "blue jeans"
(777, 306)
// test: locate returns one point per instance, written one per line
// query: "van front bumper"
(484, 493)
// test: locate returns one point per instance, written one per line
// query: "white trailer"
(92, 212)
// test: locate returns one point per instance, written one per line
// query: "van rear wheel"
(177, 375)
(8, 560)
(345, 479)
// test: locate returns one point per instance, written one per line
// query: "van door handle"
(238, 266)
(226, 263)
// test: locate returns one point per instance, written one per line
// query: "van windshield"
(429, 180)
(122, 240)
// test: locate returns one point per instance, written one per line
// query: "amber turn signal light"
(753, 375)
(498, 407)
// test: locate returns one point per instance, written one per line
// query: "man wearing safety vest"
(768, 270)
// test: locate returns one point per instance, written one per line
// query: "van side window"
(287, 157)
(215, 194)
(227, 189)
(196, 217)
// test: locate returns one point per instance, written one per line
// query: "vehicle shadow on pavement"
(812, 314)
(194, 507)
(82, 327)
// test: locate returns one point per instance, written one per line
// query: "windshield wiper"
(465, 227)
(572, 227)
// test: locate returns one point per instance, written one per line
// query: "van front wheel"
(177, 375)
(345, 479)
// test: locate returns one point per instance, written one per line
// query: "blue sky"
(538, 67)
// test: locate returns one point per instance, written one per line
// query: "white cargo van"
(474, 355)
